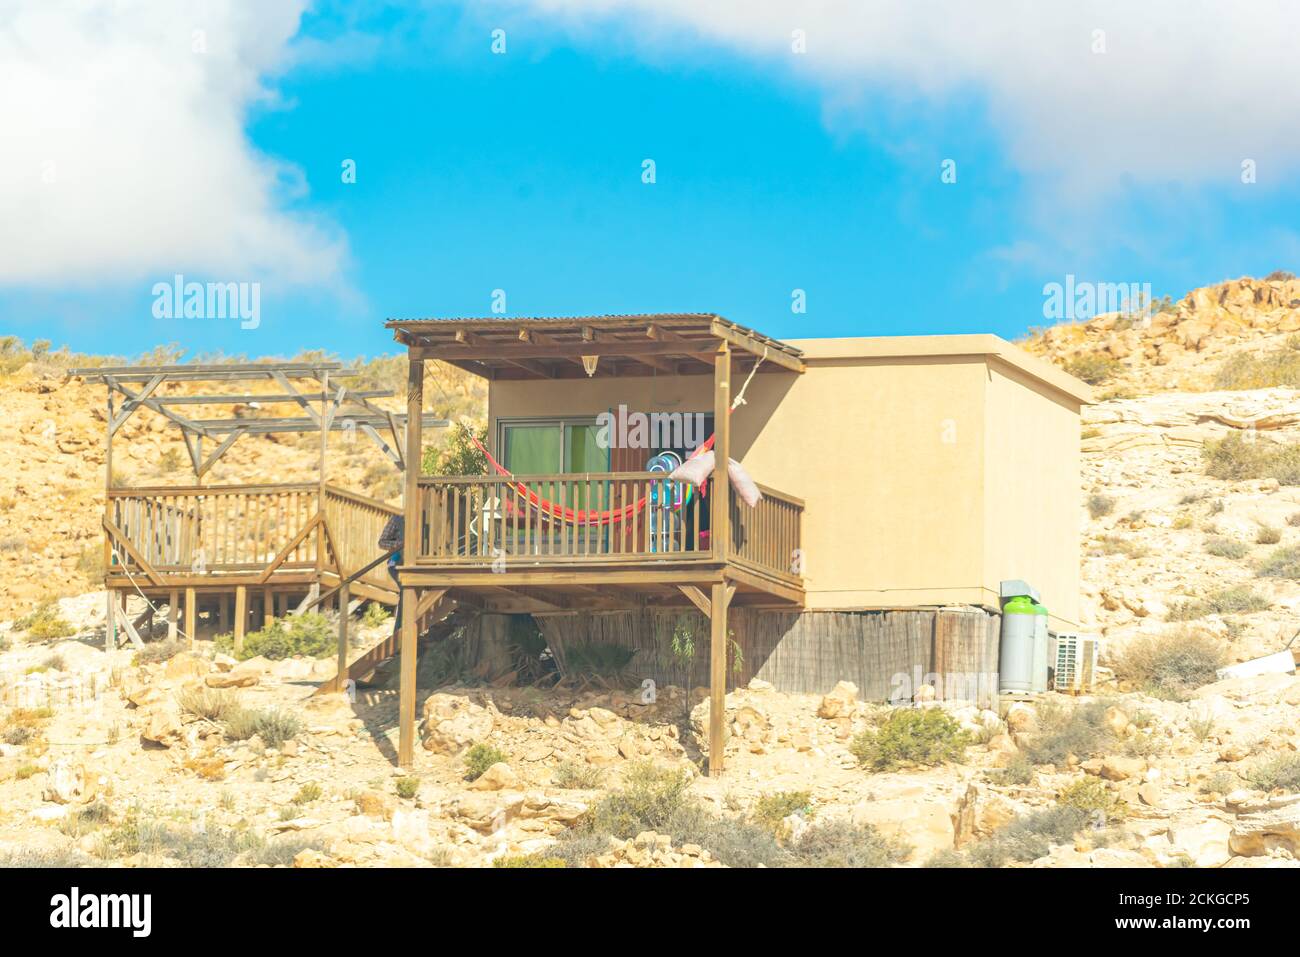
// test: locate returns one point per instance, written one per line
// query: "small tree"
(458, 455)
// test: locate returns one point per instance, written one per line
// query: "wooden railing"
(476, 520)
(594, 518)
(214, 529)
(355, 523)
(244, 529)
(768, 536)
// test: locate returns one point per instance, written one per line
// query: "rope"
(152, 607)
(740, 396)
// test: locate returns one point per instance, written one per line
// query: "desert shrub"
(771, 809)
(1293, 519)
(375, 615)
(1029, 836)
(1171, 665)
(1093, 368)
(43, 858)
(481, 757)
(159, 651)
(45, 623)
(5, 642)
(1276, 367)
(1228, 601)
(1281, 563)
(204, 702)
(947, 858)
(1100, 505)
(649, 800)
(86, 820)
(91, 562)
(574, 776)
(281, 851)
(1019, 771)
(1280, 772)
(1220, 782)
(308, 635)
(1221, 546)
(408, 787)
(1119, 545)
(1267, 535)
(272, 725)
(840, 843)
(1236, 459)
(311, 791)
(1091, 796)
(924, 736)
(1183, 521)
(1063, 730)
(529, 860)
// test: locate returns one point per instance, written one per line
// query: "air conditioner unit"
(1076, 663)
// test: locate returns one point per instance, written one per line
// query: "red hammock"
(563, 512)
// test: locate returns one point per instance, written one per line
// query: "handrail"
(349, 580)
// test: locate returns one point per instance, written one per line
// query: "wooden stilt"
(406, 733)
(191, 615)
(173, 600)
(341, 676)
(268, 607)
(717, 675)
(223, 614)
(110, 622)
(241, 616)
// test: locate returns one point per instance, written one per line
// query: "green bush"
(1280, 772)
(281, 851)
(1267, 535)
(308, 635)
(1246, 370)
(1091, 796)
(375, 615)
(1172, 665)
(309, 792)
(771, 809)
(648, 801)
(918, 736)
(1222, 547)
(408, 787)
(45, 623)
(481, 757)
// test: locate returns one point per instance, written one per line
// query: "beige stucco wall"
(931, 467)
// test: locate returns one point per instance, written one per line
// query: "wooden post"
(241, 616)
(223, 614)
(173, 600)
(110, 622)
(191, 615)
(720, 539)
(717, 674)
(268, 606)
(345, 598)
(410, 549)
(720, 491)
(321, 537)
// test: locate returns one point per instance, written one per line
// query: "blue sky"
(522, 172)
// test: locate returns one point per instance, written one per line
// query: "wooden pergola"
(220, 541)
(705, 574)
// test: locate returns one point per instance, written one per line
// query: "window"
(549, 446)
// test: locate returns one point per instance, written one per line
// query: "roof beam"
(754, 347)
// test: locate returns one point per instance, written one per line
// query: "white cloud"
(1184, 92)
(123, 152)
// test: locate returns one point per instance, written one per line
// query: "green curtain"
(532, 449)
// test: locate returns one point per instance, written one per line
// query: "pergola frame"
(328, 406)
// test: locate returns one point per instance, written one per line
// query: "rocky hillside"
(1178, 345)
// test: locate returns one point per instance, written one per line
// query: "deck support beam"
(719, 539)
(241, 617)
(409, 597)
(717, 676)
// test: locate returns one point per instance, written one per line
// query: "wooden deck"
(619, 539)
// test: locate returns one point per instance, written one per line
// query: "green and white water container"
(1016, 654)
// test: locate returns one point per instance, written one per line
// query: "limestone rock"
(498, 777)
(840, 702)
(452, 723)
(1263, 832)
